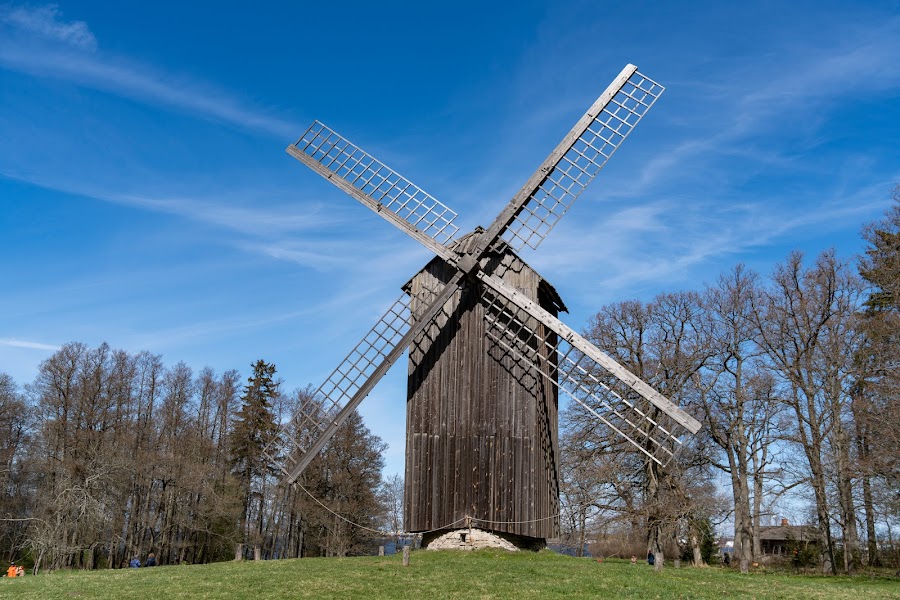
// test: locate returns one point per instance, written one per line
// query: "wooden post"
(380, 550)
(405, 556)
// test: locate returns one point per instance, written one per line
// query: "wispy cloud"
(14, 343)
(794, 95)
(36, 41)
(865, 62)
(46, 21)
(263, 219)
(667, 240)
(259, 219)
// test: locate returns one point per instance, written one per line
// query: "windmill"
(488, 355)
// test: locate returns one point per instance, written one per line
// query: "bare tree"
(737, 401)
(807, 329)
(663, 344)
(342, 510)
(16, 496)
(392, 501)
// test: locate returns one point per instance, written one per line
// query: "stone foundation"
(474, 539)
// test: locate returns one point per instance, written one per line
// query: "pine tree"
(881, 265)
(875, 403)
(253, 427)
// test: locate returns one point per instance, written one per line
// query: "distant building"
(778, 540)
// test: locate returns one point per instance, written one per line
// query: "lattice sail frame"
(581, 378)
(313, 418)
(384, 186)
(328, 405)
(606, 127)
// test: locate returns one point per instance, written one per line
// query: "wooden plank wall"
(482, 437)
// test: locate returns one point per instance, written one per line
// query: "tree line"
(796, 380)
(795, 377)
(108, 455)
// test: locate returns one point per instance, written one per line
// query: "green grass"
(483, 574)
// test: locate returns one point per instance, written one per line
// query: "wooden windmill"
(488, 354)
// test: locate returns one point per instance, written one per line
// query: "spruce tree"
(253, 427)
(881, 264)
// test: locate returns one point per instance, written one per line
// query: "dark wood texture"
(482, 437)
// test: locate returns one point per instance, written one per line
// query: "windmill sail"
(316, 422)
(575, 162)
(389, 194)
(644, 418)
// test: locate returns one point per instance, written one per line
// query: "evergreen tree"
(253, 427)
(881, 265)
(876, 409)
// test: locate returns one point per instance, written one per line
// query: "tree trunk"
(695, 546)
(757, 510)
(582, 524)
(869, 508)
(818, 484)
(742, 538)
(860, 418)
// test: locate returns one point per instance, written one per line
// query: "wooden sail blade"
(655, 432)
(583, 369)
(575, 162)
(389, 194)
(315, 422)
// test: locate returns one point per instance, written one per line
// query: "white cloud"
(46, 21)
(14, 343)
(259, 219)
(45, 47)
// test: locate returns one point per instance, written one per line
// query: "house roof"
(789, 532)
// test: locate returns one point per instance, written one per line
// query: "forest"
(795, 376)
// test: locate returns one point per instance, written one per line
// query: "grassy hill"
(483, 574)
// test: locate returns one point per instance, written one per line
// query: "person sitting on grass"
(151, 560)
(135, 562)
(11, 571)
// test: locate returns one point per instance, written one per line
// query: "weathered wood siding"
(481, 426)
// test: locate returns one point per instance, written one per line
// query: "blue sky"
(147, 200)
